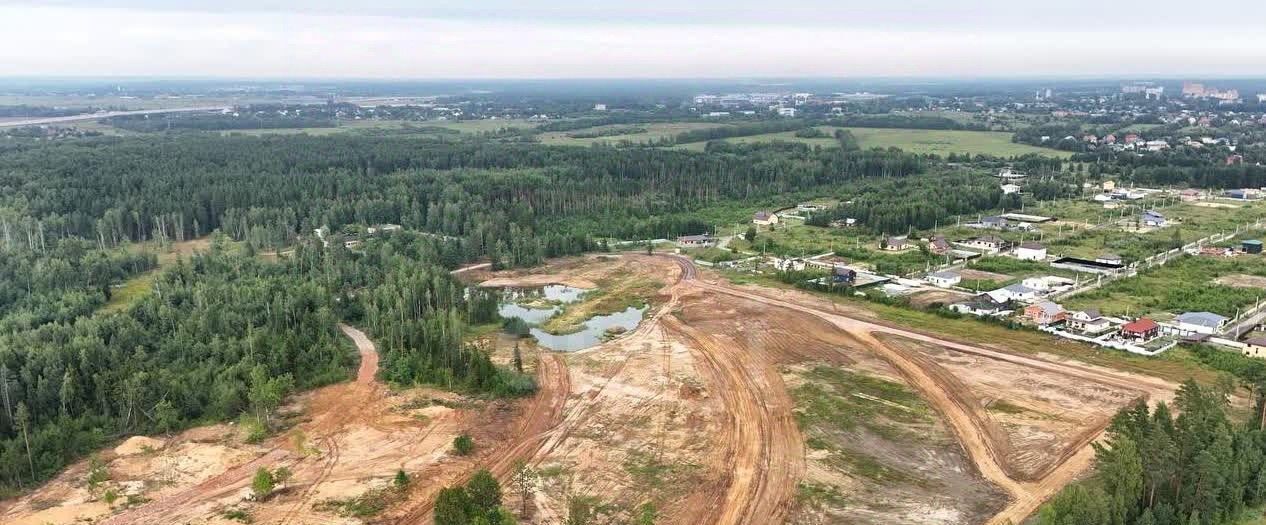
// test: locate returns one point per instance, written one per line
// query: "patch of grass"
(615, 293)
(1005, 407)
(839, 400)
(236, 514)
(366, 505)
(856, 463)
(818, 495)
(650, 471)
(131, 291)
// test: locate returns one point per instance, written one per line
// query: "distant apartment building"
(1192, 89)
(1199, 90)
(1261, 98)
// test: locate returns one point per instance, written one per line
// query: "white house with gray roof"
(944, 279)
(1207, 323)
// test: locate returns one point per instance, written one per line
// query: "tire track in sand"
(763, 449)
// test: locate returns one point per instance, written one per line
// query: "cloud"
(278, 40)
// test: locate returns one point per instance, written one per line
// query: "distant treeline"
(738, 130)
(902, 121)
(216, 122)
(608, 132)
(43, 111)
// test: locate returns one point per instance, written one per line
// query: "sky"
(455, 39)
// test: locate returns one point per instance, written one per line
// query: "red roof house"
(1142, 329)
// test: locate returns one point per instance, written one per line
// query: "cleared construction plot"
(727, 405)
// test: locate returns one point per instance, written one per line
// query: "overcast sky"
(630, 38)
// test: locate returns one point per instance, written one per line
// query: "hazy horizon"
(655, 39)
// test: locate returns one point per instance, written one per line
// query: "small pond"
(593, 332)
(536, 305)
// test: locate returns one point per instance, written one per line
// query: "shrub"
(463, 445)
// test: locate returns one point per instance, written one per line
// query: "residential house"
(894, 244)
(1140, 330)
(1207, 323)
(989, 243)
(1152, 218)
(1255, 346)
(764, 218)
(1045, 313)
(1014, 292)
(846, 223)
(1030, 251)
(695, 241)
(980, 305)
(1244, 194)
(1189, 195)
(938, 245)
(1008, 189)
(1088, 321)
(1109, 185)
(1234, 160)
(944, 279)
(1047, 283)
(789, 264)
(993, 222)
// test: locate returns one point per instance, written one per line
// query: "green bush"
(463, 445)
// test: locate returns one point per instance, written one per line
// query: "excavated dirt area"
(1040, 417)
(875, 452)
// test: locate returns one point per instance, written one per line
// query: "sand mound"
(138, 444)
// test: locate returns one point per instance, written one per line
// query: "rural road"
(104, 114)
(368, 354)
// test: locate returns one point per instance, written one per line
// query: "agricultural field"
(943, 142)
(937, 142)
(641, 133)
